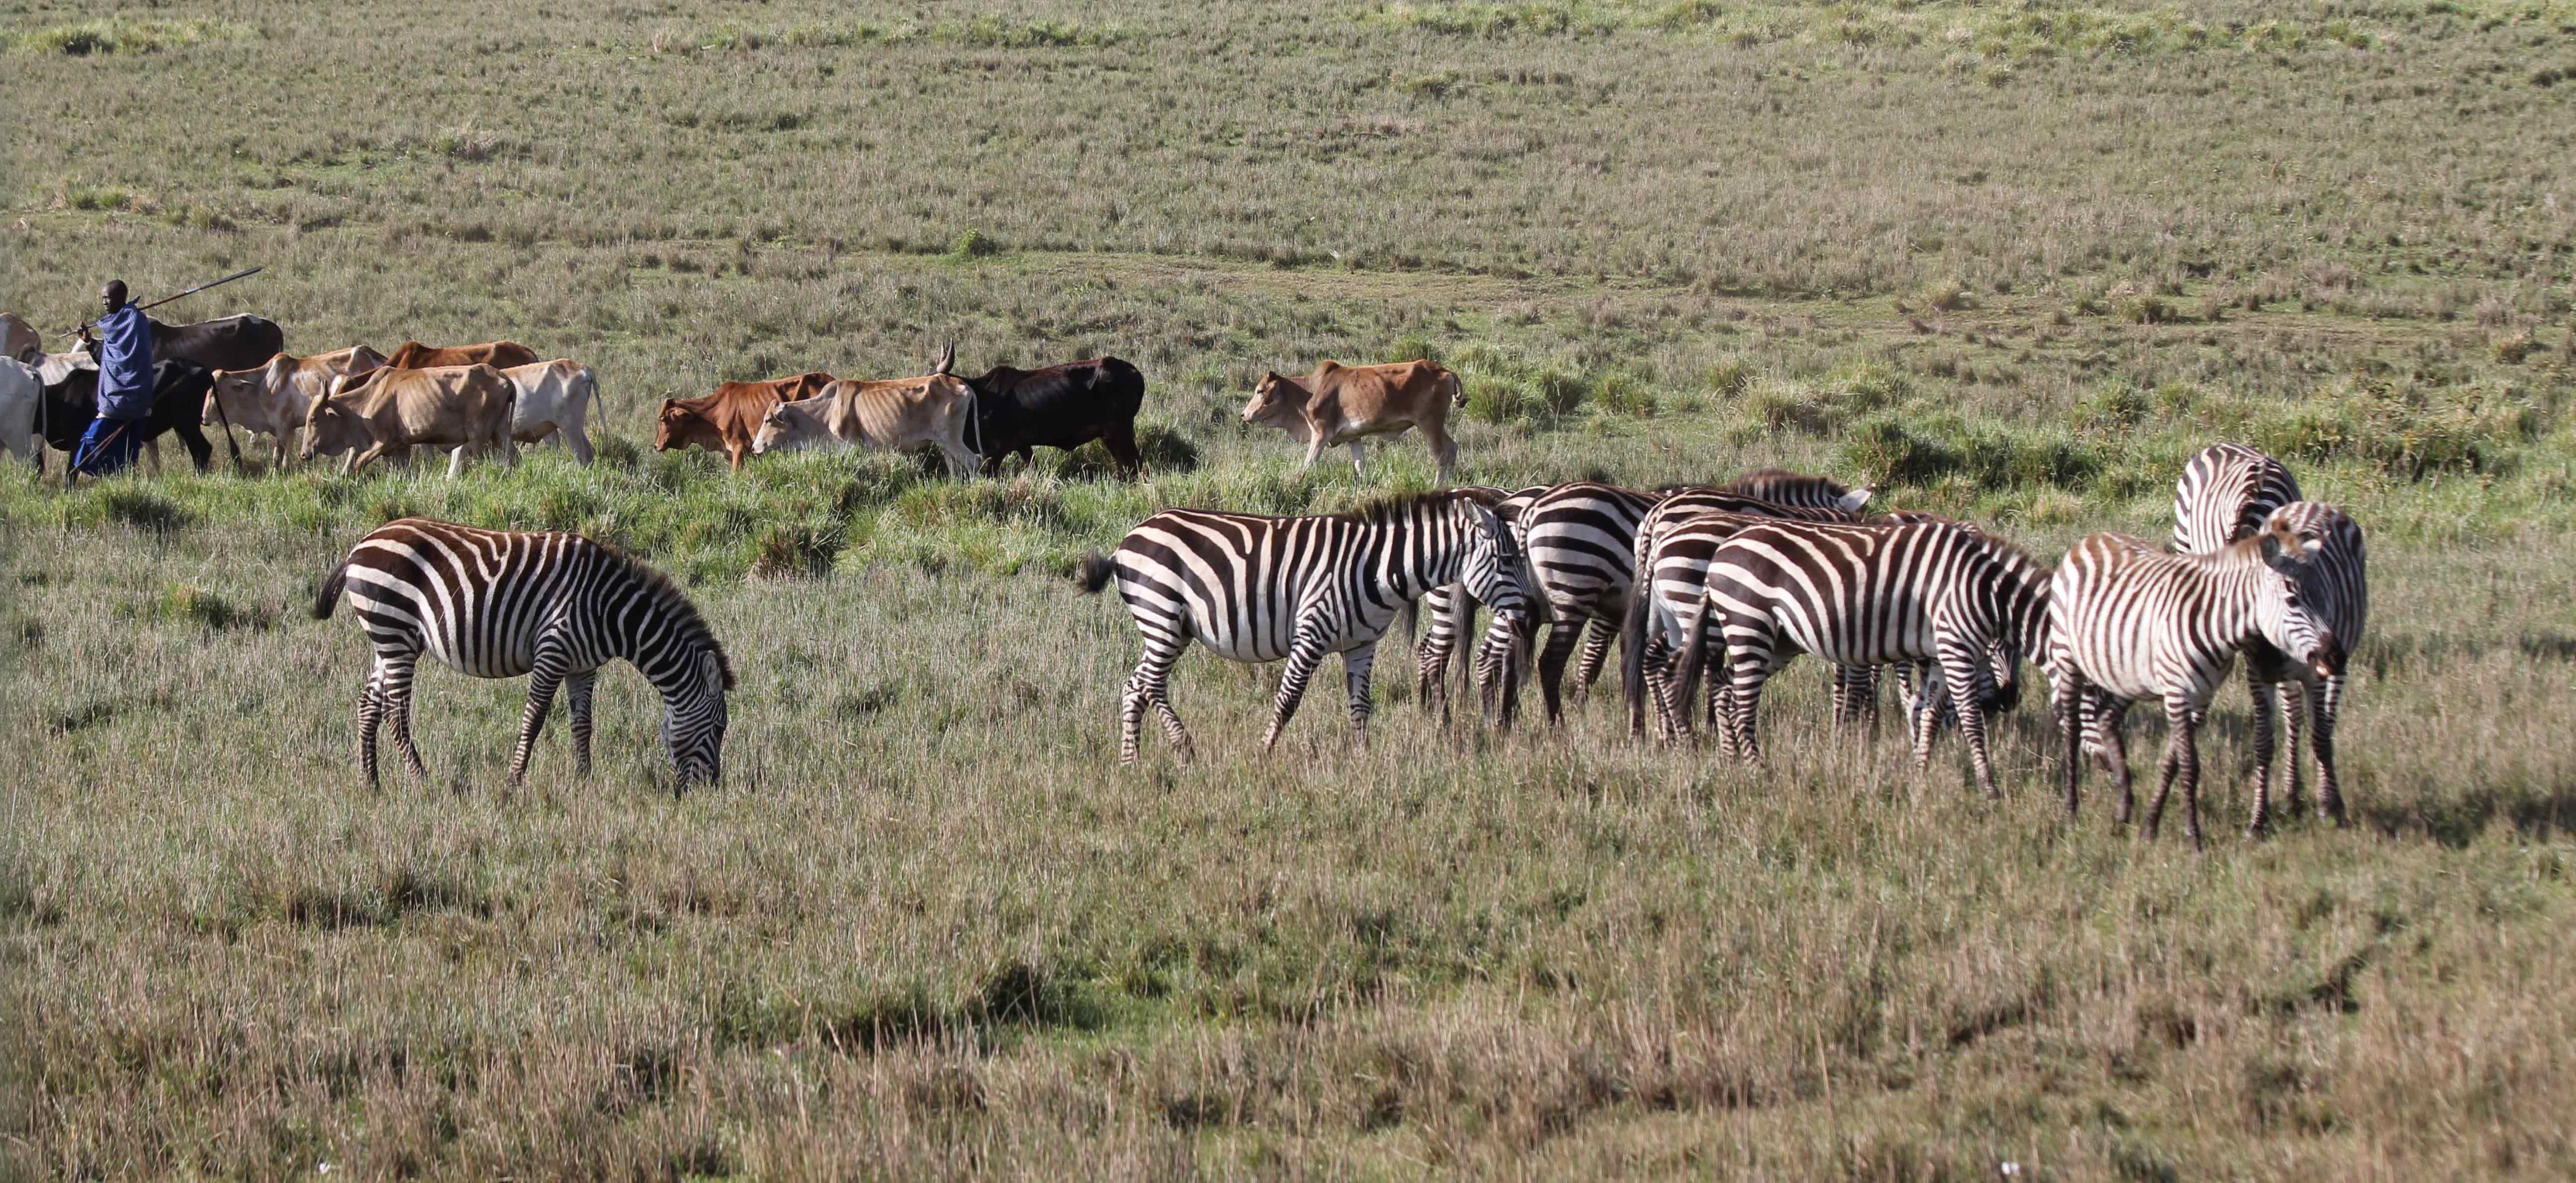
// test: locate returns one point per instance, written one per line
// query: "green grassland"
(2012, 261)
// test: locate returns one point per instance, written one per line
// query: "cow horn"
(947, 359)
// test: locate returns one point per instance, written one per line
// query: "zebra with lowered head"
(2129, 621)
(1257, 589)
(1924, 593)
(2225, 493)
(551, 607)
(1447, 614)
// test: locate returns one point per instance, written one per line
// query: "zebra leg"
(398, 669)
(2324, 702)
(541, 699)
(1923, 720)
(577, 688)
(2294, 718)
(2065, 700)
(1743, 699)
(1971, 683)
(1356, 664)
(2188, 728)
(1150, 685)
(1552, 661)
(2266, 698)
(1597, 636)
(1855, 695)
(371, 713)
(2111, 717)
(1304, 654)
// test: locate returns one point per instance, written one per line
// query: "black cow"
(178, 397)
(1063, 406)
(242, 342)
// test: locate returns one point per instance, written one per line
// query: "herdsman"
(123, 347)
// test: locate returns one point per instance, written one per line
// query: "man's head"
(113, 295)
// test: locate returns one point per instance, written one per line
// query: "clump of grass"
(190, 603)
(974, 244)
(120, 35)
(795, 552)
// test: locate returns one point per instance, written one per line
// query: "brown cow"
(1347, 404)
(461, 407)
(272, 399)
(728, 419)
(412, 355)
(894, 415)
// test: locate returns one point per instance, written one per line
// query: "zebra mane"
(673, 603)
(1398, 507)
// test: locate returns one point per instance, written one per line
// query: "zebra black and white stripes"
(1266, 589)
(2129, 621)
(1865, 596)
(2225, 492)
(1578, 538)
(553, 607)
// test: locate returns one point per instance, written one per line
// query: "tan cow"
(272, 399)
(463, 407)
(895, 415)
(412, 355)
(1347, 404)
(729, 418)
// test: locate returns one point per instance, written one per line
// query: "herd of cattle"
(235, 373)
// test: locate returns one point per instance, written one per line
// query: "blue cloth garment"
(108, 445)
(124, 364)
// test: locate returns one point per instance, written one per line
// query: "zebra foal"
(2130, 621)
(1258, 589)
(552, 607)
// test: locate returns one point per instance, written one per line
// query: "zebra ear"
(711, 669)
(1852, 501)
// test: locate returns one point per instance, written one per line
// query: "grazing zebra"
(554, 607)
(1677, 577)
(2130, 621)
(1449, 613)
(1782, 487)
(2225, 493)
(1968, 604)
(1578, 538)
(1265, 589)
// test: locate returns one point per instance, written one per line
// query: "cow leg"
(192, 437)
(456, 462)
(961, 463)
(1444, 450)
(1314, 447)
(1359, 457)
(577, 688)
(578, 442)
(361, 459)
(1121, 442)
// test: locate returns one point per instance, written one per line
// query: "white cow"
(553, 396)
(20, 392)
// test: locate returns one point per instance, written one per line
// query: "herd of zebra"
(1736, 579)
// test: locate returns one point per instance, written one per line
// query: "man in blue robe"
(123, 347)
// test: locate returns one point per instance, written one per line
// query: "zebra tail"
(1095, 573)
(1691, 665)
(329, 598)
(1632, 651)
(1412, 619)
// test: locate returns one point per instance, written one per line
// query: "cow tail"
(1452, 389)
(1095, 573)
(590, 395)
(332, 585)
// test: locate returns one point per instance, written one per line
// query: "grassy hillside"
(2012, 261)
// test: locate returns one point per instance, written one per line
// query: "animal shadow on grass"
(2455, 819)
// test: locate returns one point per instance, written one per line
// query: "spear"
(166, 299)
